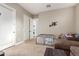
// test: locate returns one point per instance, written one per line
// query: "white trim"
(6, 46)
(19, 42)
(6, 6)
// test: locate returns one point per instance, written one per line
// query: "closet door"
(26, 27)
(31, 28)
(7, 27)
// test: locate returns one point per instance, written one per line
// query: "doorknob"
(13, 32)
(29, 31)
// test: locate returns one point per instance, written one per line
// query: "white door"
(31, 28)
(26, 27)
(7, 27)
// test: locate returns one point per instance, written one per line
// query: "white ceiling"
(36, 8)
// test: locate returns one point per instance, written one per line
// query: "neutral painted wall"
(19, 20)
(65, 21)
(77, 18)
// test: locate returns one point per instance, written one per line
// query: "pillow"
(68, 35)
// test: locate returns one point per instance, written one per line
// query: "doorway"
(33, 28)
(30, 27)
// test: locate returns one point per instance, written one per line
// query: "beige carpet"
(29, 48)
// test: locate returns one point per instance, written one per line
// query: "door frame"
(14, 18)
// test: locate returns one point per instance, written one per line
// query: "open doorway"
(33, 28)
(30, 27)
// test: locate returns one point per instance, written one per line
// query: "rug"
(54, 52)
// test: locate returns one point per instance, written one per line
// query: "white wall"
(7, 26)
(65, 21)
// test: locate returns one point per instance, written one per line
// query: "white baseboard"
(6, 46)
(19, 42)
(9, 45)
